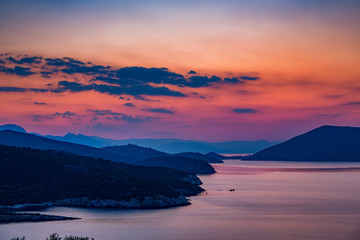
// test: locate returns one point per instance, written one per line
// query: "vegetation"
(56, 236)
(181, 163)
(37, 176)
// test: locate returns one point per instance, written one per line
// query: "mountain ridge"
(325, 143)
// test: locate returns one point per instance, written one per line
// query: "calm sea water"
(272, 200)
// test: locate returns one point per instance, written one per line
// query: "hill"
(326, 143)
(18, 139)
(195, 155)
(169, 145)
(136, 152)
(38, 176)
(128, 153)
(179, 163)
(154, 158)
(12, 127)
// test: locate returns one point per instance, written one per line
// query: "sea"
(244, 200)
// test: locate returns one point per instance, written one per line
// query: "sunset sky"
(201, 70)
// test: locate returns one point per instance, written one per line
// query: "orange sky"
(305, 54)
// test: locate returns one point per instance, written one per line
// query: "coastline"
(11, 214)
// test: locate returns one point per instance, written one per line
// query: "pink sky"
(298, 66)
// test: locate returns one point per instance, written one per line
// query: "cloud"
(139, 97)
(335, 96)
(67, 115)
(20, 71)
(41, 118)
(62, 62)
(115, 90)
(232, 80)
(18, 89)
(26, 60)
(104, 112)
(201, 81)
(46, 74)
(331, 115)
(248, 78)
(136, 81)
(244, 110)
(149, 75)
(110, 115)
(131, 119)
(159, 110)
(350, 103)
(40, 103)
(12, 89)
(129, 104)
(140, 75)
(72, 66)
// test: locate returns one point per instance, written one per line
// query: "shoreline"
(11, 217)
(11, 214)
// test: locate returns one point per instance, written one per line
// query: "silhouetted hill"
(136, 152)
(80, 139)
(169, 145)
(37, 176)
(180, 163)
(12, 127)
(200, 156)
(326, 143)
(151, 157)
(17, 139)
(216, 156)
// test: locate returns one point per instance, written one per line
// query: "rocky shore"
(150, 202)
(30, 217)
(8, 214)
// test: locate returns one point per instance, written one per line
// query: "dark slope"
(180, 163)
(326, 143)
(36, 176)
(79, 139)
(154, 158)
(17, 139)
(215, 155)
(169, 145)
(136, 152)
(200, 156)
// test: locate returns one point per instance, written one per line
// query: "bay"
(268, 200)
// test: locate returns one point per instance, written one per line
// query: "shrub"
(56, 236)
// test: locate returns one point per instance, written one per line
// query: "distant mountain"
(217, 156)
(17, 139)
(12, 127)
(136, 152)
(195, 155)
(127, 153)
(170, 145)
(326, 143)
(80, 139)
(38, 176)
(194, 162)
(180, 163)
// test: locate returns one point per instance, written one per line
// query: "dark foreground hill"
(37, 176)
(127, 153)
(190, 162)
(18, 139)
(326, 143)
(195, 155)
(136, 152)
(181, 163)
